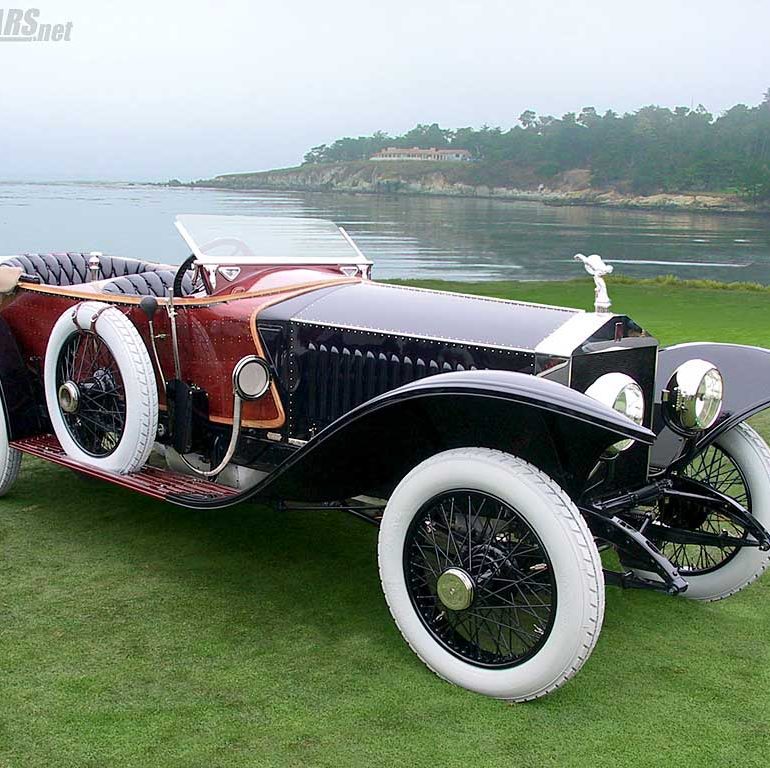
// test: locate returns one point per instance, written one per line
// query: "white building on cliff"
(415, 153)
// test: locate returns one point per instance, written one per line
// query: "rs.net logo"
(19, 25)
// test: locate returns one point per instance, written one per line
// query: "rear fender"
(16, 391)
(370, 449)
(746, 374)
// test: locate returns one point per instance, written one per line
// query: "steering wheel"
(237, 248)
(179, 277)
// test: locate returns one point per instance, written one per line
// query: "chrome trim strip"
(568, 337)
(353, 245)
(187, 237)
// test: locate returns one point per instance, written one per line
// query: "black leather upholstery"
(132, 277)
(72, 268)
(148, 284)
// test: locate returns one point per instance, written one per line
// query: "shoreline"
(594, 200)
(442, 180)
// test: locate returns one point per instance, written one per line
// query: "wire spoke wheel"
(474, 547)
(480, 579)
(716, 469)
(91, 393)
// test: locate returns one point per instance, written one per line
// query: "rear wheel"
(10, 458)
(491, 574)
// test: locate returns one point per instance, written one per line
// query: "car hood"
(442, 316)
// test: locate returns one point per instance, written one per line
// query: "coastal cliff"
(481, 180)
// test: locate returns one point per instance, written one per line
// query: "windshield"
(267, 240)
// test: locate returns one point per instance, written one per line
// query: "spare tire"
(100, 388)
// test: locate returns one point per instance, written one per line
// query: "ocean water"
(406, 237)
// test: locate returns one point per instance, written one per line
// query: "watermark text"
(24, 25)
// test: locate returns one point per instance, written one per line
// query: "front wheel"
(491, 574)
(737, 465)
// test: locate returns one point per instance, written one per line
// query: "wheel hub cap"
(455, 589)
(69, 397)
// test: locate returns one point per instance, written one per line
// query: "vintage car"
(498, 445)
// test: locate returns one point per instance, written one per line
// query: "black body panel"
(636, 357)
(370, 449)
(336, 348)
(412, 312)
(377, 378)
(16, 388)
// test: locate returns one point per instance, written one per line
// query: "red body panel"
(214, 333)
(261, 278)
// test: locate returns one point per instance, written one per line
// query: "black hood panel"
(416, 313)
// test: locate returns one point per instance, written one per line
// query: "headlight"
(251, 377)
(695, 395)
(622, 394)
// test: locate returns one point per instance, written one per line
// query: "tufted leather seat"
(72, 268)
(126, 276)
(155, 283)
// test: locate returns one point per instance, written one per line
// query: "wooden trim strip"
(70, 291)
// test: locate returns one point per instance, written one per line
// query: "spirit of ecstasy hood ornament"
(597, 269)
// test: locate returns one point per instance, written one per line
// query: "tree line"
(654, 149)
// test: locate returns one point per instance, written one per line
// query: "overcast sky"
(148, 90)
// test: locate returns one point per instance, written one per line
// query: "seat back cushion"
(72, 268)
(53, 268)
(153, 283)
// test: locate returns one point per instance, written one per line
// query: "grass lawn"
(133, 633)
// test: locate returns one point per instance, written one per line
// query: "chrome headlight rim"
(251, 378)
(623, 394)
(694, 396)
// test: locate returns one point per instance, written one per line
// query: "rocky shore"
(471, 180)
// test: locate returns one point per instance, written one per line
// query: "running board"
(150, 481)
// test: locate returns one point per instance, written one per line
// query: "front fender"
(746, 374)
(371, 448)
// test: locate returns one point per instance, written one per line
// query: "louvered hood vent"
(338, 379)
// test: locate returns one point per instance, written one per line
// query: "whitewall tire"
(107, 414)
(512, 538)
(10, 458)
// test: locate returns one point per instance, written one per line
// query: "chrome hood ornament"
(598, 270)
